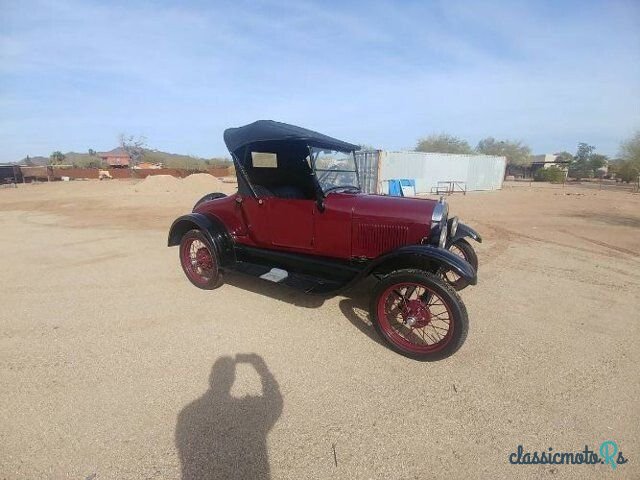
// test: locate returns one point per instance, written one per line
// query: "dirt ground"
(113, 366)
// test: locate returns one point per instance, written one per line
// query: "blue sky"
(75, 74)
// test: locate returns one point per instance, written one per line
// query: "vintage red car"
(299, 218)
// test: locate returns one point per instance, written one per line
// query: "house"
(536, 162)
(547, 160)
(116, 158)
(149, 166)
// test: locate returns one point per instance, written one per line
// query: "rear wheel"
(418, 315)
(199, 260)
(463, 249)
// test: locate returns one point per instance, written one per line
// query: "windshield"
(336, 171)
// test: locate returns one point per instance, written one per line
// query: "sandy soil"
(112, 365)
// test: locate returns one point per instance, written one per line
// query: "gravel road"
(113, 366)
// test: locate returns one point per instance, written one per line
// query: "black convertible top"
(270, 131)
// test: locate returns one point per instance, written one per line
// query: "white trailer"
(432, 172)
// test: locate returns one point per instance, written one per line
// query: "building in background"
(548, 160)
(431, 172)
(116, 158)
(10, 173)
(148, 166)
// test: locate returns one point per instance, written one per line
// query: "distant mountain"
(169, 160)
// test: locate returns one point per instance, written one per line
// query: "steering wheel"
(338, 187)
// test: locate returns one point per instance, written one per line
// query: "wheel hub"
(203, 259)
(416, 314)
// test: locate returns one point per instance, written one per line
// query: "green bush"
(552, 174)
(628, 172)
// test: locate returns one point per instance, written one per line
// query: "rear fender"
(417, 256)
(212, 227)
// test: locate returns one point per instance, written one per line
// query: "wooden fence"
(51, 173)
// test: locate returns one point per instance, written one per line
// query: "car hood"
(380, 208)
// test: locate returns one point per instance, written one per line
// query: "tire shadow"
(219, 436)
(356, 310)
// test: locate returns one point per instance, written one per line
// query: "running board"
(299, 281)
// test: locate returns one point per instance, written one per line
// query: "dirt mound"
(201, 180)
(158, 184)
(196, 184)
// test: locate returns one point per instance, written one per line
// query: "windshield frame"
(313, 156)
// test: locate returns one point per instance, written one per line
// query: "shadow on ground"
(354, 306)
(219, 436)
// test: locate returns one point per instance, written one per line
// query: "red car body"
(352, 225)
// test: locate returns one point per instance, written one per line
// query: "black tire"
(209, 196)
(458, 317)
(206, 278)
(466, 251)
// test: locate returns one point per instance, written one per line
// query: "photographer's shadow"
(219, 436)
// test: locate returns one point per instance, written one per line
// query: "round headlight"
(453, 226)
(443, 236)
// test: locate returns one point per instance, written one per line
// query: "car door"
(256, 219)
(291, 222)
(332, 226)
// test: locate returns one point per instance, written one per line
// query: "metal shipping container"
(475, 172)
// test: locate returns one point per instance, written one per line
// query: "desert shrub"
(552, 174)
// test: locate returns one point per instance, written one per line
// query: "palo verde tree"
(443, 143)
(57, 157)
(596, 162)
(516, 152)
(580, 167)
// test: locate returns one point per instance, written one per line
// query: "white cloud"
(74, 74)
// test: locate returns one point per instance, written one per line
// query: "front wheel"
(418, 315)
(199, 260)
(463, 249)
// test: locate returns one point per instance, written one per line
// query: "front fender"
(415, 253)
(212, 227)
(464, 231)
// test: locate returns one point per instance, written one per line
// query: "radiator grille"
(376, 239)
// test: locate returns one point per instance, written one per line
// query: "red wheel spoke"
(415, 317)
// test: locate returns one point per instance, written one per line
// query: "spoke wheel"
(199, 261)
(418, 315)
(464, 250)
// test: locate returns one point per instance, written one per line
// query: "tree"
(365, 147)
(57, 157)
(92, 152)
(515, 151)
(597, 161)
(443, 143)
(630, 150)
(628, 169)
(580, 167)
(133, 146)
